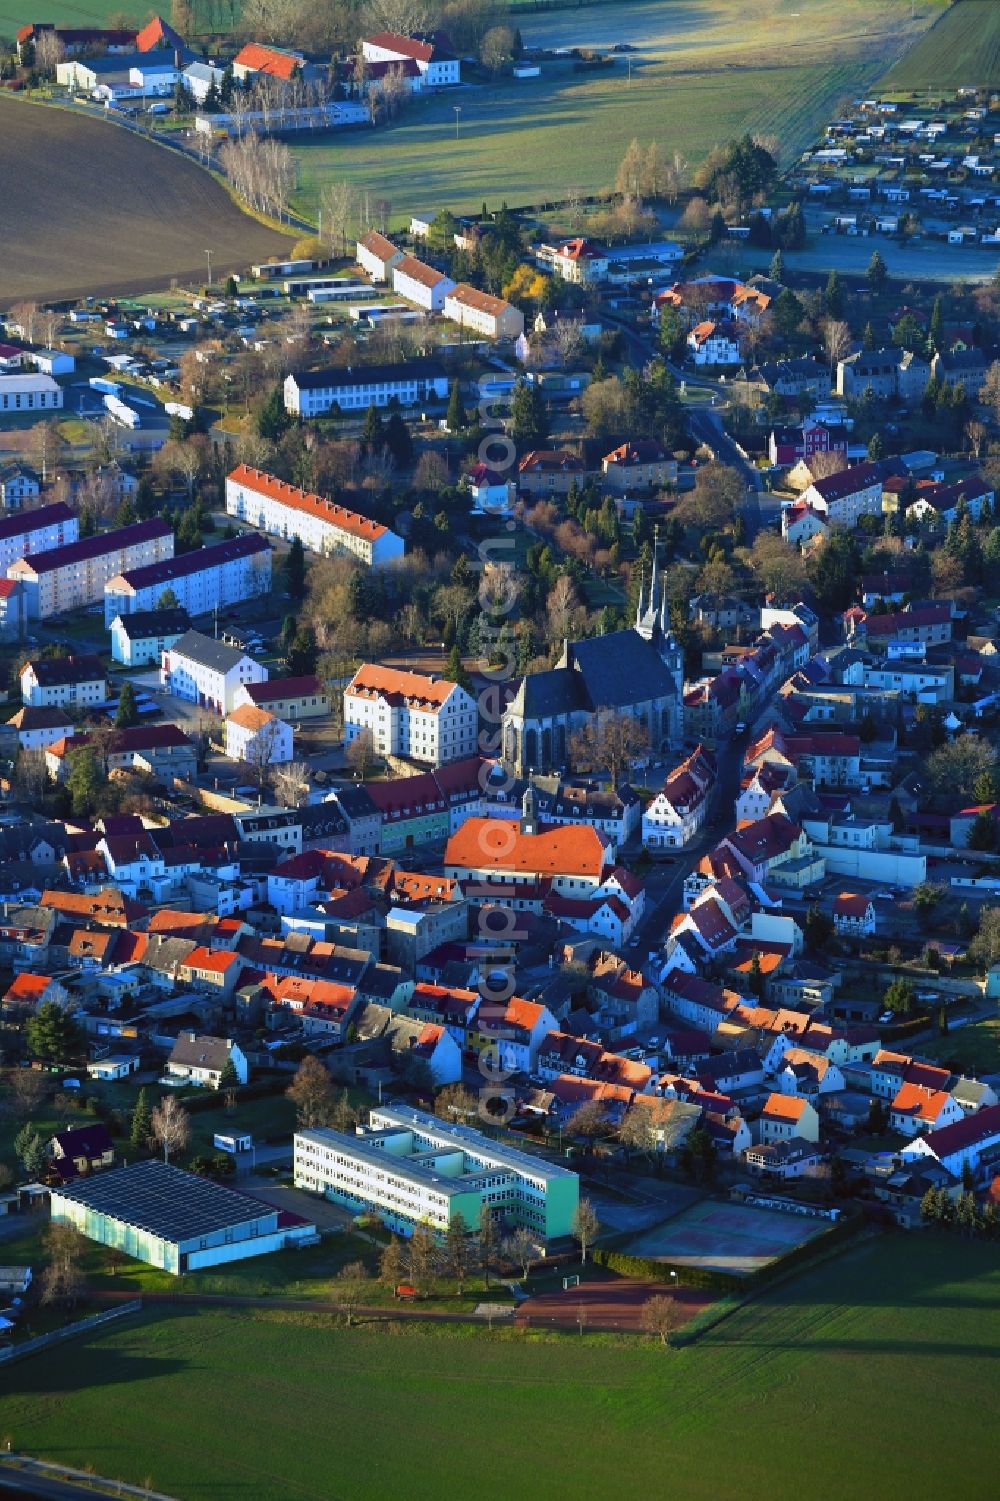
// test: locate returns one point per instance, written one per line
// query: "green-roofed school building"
(413, 1168)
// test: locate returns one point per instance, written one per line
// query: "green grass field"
(869, 1376)
(974, 1049)
(962, 48)
(703, 71)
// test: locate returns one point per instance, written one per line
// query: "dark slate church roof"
(621, 669)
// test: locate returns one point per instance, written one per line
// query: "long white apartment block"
(283, 510)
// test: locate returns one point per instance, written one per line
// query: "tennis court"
(734, 1238)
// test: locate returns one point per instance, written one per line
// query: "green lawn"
(974, 1049)
(869, 1376)
(703, 71)
(962, 48)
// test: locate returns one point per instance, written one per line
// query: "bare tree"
(291, 784)
(654, 1126)
(311, 1091)
(31, 776)
(608, 741)
(29, 1088)
(836, 340)
(361, 753)
(46, 446)
(260, 752)
(350, 1286)
(521, 1248)
(24, 315)
(49, 52)
(567, 339)
(660, 1317)
(171, 1126)
(977, 432)
(62, 1279)
(586, 1226)
(338, 206)
(401, 16)
(497, 49)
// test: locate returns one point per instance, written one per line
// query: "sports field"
(734, 1238)
(963, 47)
(702, 72)
(872, 1375)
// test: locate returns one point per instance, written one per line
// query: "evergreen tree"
(295, 570)
(272, 420)
(29, 1149)
(168, 601)
(833, 297)
(877, 274)
(84, 780)
(372, 434)
(868, 337)
(876, 447)
(777, 267)
(142, 1123)
(51, 1033)
(228, 1077)
(302, 653)
(935, 329)
(456, 412)
(398, 441)
(127, 713)
(455, 671)
(528, 419)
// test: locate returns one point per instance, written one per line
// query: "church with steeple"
(638, 672)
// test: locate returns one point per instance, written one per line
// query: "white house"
(785, 1116)
(285, 511)
(490, 493)
(377, 256)
(257, 736)
(39, 728)
(847, 495)
(53, 361)
(29, 393)
(51, 682)
(437, 67)
(677, 813)
(493, 317)
(208, 672)
(579, 261)
(201, 1060)
(411, 714)
(142, 637)
(411, 383)
(853, 914)
(208, 578)
(421, 284)
(18, 483)
(714, 343)
(513, 1033)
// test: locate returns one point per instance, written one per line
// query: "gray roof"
(201, 1052)
(207, 653)
(544, 695)
(164, 1201)
(355, 802)
(144, 623)
(620, 669)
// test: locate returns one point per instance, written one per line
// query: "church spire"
(638, 607)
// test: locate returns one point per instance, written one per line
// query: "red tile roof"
(261, 59)
(497, 844)
(312, 505)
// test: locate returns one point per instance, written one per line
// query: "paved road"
(665, 882)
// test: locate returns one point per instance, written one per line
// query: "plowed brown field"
(89, 207)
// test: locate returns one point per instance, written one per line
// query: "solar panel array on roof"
(165, 1201)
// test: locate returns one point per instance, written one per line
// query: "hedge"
(214, 1099)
